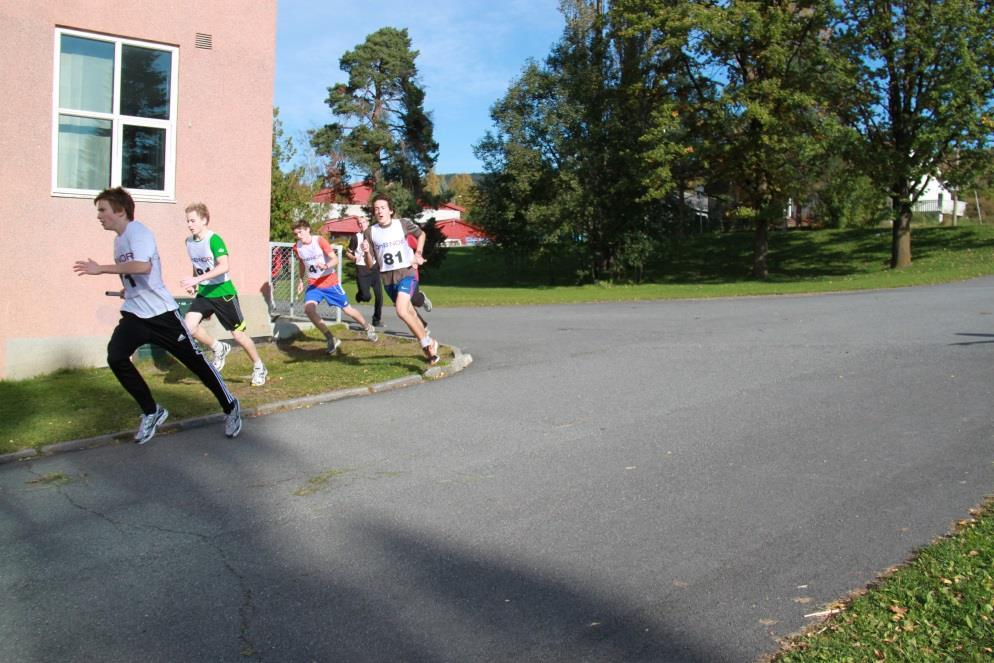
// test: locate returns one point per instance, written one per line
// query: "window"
(114, 118)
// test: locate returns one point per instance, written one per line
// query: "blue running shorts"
(406, 285)
(334, 295)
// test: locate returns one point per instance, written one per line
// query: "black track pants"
(369, 280)
(169, 333)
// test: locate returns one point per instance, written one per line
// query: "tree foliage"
(923, 96)
(290, 194)
(382, 132)
(836, 105)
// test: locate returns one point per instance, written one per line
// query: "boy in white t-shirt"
(149, 315)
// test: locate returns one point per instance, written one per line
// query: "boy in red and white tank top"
(320, 262)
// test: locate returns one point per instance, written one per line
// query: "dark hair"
(302, 223)
(382, 196)
(119, 199)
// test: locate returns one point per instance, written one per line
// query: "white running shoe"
(149, 422)
(233, 421)
(431, 352)
(427, 304)
(333, 344)
(220, 356)
(371, 334)
(259, 375)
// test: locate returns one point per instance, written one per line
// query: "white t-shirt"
(145, 295)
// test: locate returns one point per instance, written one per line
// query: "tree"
(290, 195)
(563, 175)
(433, 183)
(752, 89)
(923, 96)
(463, 191)
(383, 131)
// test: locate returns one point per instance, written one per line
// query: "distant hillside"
(446, 177)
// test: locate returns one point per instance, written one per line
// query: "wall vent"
(204, 41)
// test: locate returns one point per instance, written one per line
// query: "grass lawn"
(938, 607)
(719, 265)
(75, 404)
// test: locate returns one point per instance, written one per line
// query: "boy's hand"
(189, 283)
(87, 266)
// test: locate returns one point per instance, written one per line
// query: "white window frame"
(168, 192)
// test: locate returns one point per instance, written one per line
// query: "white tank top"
(390, 246)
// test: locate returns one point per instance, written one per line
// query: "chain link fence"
(284, 277)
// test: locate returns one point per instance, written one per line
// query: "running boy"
(385, 243)
(149, 315)
(215, 292)
(367, 279)
(319, 261)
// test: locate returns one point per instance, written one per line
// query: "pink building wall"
(52, 318)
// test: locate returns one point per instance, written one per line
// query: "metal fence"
(284, 277)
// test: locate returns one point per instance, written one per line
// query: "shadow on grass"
(70, 405)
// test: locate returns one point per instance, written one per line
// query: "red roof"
(361, 193)
(347, 226)
(459, 229)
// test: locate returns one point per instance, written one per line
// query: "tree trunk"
(761, 248)
(900, 247)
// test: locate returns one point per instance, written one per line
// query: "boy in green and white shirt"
(216, 294)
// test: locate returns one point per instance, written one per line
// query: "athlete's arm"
(220, 267)
(92, 268)
(367, 242)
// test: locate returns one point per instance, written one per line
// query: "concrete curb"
(459, 362)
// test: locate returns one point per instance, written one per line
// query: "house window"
(114, 114)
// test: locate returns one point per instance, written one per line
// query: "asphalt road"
(657, 481)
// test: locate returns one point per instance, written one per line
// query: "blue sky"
(470, 51)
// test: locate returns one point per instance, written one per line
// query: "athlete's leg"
(354, 313)
(170, 334)
(311, 310)
(377, 298)
(247, 344)
(128, 336)
(192, 320)
(407, 313)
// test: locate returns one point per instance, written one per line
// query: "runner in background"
(385, 244)
(319, 262)
(215, 293)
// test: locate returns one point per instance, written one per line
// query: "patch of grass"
(51, 479)
(938, 607)
(74, 404)
(320, 482)
(719, 266)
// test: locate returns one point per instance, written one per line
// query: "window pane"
(143, 158)
(86, 74)
(84, 153)
(145, 76)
